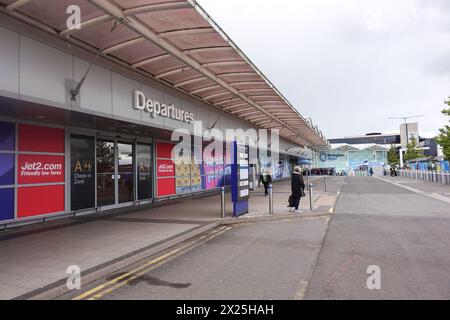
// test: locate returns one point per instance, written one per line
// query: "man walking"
(266, 179)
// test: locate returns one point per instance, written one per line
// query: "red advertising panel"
(164, 150)
(165, 168)
(40, 169)
(33, 201)
(41, 139)
(166, 187)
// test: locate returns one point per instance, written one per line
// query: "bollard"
(270, 199)
(325, 181)
(222, 203)
(310, 197)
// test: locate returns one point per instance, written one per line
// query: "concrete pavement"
(34, 259)
(265, 260)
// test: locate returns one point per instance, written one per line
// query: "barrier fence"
(426, 175)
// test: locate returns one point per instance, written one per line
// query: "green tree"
(392, 155)
(444, 137)
(412, 150)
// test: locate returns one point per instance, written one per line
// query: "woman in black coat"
(297, 188)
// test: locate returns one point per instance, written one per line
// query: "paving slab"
(34, 257)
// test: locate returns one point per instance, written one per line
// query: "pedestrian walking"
(266, 178)
(297, 189)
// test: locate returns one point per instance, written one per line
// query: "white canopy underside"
(177, 43)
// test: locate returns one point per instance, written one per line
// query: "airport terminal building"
(87, 114)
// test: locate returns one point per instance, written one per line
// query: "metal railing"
(426, 175)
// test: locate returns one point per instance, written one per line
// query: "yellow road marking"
(152, 264)
(110, 289)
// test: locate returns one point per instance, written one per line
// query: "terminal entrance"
(115, 172)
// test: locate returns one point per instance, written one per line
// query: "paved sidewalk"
(424, 186)
(432, 189)
(37, 256)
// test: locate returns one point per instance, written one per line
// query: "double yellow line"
(107, 287)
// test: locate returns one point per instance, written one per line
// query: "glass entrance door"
(115, 172)
(125, 177)
(106, 191)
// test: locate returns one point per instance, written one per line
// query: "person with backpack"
(297, 189)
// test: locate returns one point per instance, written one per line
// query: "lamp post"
(405, 118)
(406, 124)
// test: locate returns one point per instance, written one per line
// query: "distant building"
(369, 138)
(408, 131)
(350, 158)
(430, 147)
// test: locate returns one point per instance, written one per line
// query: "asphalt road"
(407, 235)
(264, 260)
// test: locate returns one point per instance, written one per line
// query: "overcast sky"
(348, 64)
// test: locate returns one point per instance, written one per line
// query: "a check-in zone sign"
(34, 169)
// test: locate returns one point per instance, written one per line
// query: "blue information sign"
(240, 191)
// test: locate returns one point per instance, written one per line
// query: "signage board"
(34, 169)
(33, 201)
(82, 172)
(157, 108)
(240, 186)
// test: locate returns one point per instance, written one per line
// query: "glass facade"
(144, 170)
(346, 160)
(103, 171)
(106, 168)
(82, 156)
(375, 139)
(125, 168)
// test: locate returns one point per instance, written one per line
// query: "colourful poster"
(40, 169)
(196, 177)
(41, 139)
(7, 204)
(7, 136)
(164, 150)
(165, 168)
(183, 184)
(6, 169)
(34, 201)
(166, 186)
(214, 174)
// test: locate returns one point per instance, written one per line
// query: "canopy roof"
(177, 43)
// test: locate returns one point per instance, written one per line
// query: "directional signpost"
(240, 179)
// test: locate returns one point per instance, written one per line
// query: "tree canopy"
(392, 155)
(444, 137)
(412, 150)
